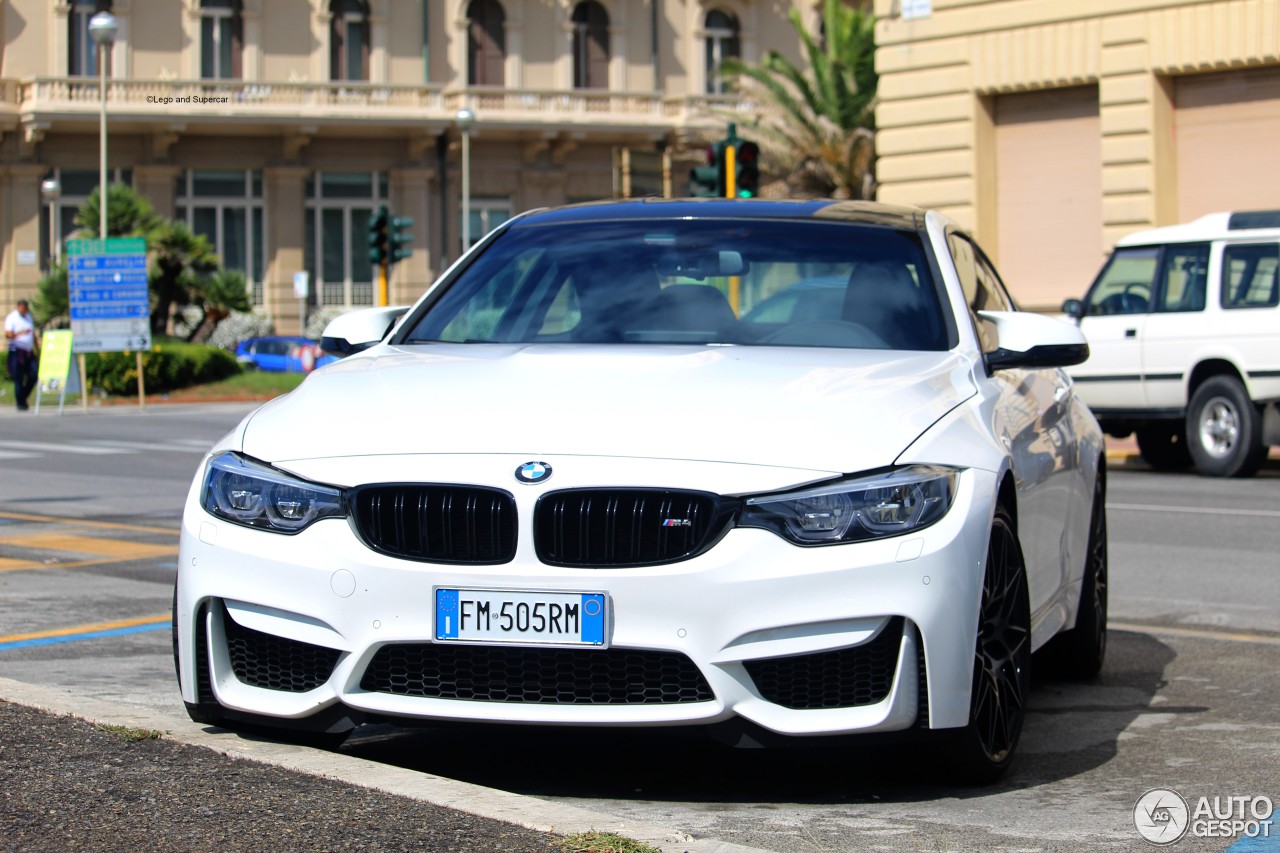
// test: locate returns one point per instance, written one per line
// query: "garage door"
(1048, 193)
(1226, 126)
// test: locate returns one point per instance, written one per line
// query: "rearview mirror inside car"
(701, 264)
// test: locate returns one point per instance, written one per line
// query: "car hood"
(811, 408)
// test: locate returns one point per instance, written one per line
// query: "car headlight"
(246, 492)
(867, 507)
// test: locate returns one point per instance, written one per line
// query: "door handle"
(1130, 333)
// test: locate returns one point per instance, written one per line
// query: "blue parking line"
(88, 635)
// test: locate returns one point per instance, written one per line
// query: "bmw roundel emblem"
(533, 472)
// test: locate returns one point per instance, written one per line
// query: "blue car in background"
(281, 354)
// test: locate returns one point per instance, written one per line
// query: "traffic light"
(379, 237)
(747, 165)
(708, 181)
(401, 238)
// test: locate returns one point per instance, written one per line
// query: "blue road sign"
(110, 299)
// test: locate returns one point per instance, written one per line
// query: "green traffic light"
(379, 239)
(401, 238)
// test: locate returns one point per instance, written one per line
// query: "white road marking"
(1256, 513)
(60, 448)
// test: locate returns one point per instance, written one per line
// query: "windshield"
(745, 282)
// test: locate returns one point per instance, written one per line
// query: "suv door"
(1176, 324)
(1114, 321)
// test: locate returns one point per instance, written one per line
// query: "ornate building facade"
(275, 128)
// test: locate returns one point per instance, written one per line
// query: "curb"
(529, 812)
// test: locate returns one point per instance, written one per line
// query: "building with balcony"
(275, 128)
(1054, 128)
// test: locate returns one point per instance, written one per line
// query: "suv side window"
(1124, 286)
(1251, 276)
(1184, 278)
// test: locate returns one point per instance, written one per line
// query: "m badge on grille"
(533, 472)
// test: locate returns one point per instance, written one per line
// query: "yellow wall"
(935, 72)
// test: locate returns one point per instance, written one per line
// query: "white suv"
(1183, 325)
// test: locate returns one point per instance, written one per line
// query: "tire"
(1079, 653)
(982, 751)
(207, 710)
(1164, 446)
(1224, 429)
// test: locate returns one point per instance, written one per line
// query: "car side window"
(991, 287)
(983, 290)
(962, 255)
(1125, 284)
(1251, 276)
(1184, 278)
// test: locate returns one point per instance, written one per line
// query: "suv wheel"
(1224, 430)
(1164, 446)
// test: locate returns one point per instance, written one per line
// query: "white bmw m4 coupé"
(582, 483)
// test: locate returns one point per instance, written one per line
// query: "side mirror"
(1073, 308)
(360, 329)
(1033, 341)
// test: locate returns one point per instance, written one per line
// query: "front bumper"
(257, 606)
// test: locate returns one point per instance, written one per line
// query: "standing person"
(20, 331)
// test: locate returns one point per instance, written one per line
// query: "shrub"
(321, 318)
(238, 326)
(168, 366)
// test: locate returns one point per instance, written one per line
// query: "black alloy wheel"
(984, 749)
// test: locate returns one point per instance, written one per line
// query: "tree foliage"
(816, 123)
(183, 268)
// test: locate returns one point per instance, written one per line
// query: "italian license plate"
(521, 618)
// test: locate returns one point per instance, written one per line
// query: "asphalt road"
(89, 508)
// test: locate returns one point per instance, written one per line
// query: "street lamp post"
(50, 190)
(466, 120)
(103, 28)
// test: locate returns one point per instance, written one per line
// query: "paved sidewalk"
(66, 784)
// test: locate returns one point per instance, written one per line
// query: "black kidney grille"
(846, 678)
(265, 660)
(626, 527)
(437, 523)
(550, 676)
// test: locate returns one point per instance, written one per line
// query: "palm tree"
(217, 296)
(128, 214)
(816, 125)
(52, 302)
(182, 261)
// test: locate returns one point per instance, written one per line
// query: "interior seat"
(884, 297)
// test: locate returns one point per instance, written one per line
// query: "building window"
(221, 39)
(349, 40)
(486, 215)
(722, 43)
(336, 235)
(590, 46)
(486, 43)
(82, 50)
(227, 208)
